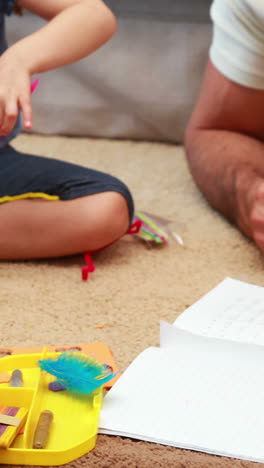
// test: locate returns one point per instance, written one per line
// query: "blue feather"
(77, 372)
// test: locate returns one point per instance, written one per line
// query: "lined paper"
(200, 390)
(234, 310)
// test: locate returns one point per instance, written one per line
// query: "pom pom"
(77, 372)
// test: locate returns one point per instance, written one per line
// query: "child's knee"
(118, 214)
(112, 215)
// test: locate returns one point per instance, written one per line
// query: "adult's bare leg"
(225, 151)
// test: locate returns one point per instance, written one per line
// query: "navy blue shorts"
(24, 176)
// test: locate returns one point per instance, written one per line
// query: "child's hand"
(14, 93)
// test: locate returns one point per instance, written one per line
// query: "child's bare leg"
(41, 229)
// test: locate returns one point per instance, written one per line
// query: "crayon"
(42, 430)
(16, 379)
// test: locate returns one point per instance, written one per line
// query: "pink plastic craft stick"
(34, 85)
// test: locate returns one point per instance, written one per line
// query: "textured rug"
(133, 287)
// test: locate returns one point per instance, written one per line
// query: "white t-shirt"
(237, 49)
(257, 6)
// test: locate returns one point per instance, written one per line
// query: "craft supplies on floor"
(77, 372)
(16, 379)
(202, 389)
(98, 350)
(58, 426)
(147, 227)
(154, 229)
(42, 430)
(12, 420)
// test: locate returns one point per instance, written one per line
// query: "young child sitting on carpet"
(50, 208)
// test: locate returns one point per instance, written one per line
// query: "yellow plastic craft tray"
(75, 424)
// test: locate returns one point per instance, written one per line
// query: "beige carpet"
(133, 287)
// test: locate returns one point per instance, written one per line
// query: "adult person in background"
(224, 139)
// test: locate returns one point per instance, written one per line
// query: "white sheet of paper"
(203, 394)
(233, 310)
(203, 388)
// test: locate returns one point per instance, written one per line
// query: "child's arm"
(76, 29)
(47, 9)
